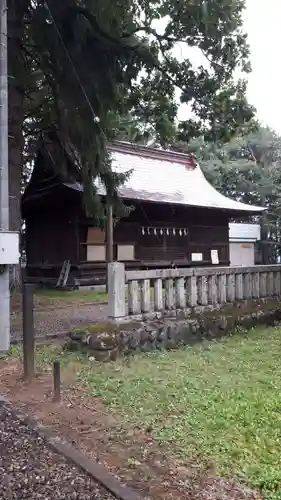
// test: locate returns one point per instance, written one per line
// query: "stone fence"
(157, 293)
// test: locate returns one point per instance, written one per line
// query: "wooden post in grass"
(28, 332)
(56, 382)
(109, 239)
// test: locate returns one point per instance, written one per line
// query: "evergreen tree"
(77, 68)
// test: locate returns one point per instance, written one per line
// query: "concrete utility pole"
(4, 185)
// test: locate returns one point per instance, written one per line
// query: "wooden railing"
(167, 290)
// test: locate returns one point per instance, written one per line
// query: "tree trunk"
(264, 236)
(16, 71)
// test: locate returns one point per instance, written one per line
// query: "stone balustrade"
(164, 292)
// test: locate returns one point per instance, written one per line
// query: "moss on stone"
(244, 308)
(106, 341)
(96, 328)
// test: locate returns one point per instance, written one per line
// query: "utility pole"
(4, 183)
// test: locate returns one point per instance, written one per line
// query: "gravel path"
(54, 321)
(31, 470)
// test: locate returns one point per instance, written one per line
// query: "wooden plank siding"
(206, 231)
(59, 231)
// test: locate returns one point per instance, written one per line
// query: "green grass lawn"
(215, 401)
(44, 297)
(81, 295)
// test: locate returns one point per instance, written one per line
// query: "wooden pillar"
(264, 237)
(109, 240)
(28, 332)
(77, 239)
(109, 235)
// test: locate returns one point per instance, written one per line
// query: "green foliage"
(271, 484)
(84, 66)
(247, 169)
(276, 495)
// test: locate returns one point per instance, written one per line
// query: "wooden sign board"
(96, 253)
(196, 257)
(215, 257)
(95, 235)
(125, 252)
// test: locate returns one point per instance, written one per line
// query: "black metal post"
(28, 332)
(56, 382)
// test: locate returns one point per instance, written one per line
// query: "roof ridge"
(188, 159)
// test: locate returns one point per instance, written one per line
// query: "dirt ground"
(30, 469)
(129, 454)
(46, 323)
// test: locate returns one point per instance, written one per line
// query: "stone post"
(134, 306)
(169, 294)
(230, 287)
(270, 284)
(256, 285)
(222, 288)
(248, 286)
(180, 293)
(158, 295)
(145, 296)
(239, 289)
(263, 284)
(192, 291)
(116, 290)
(277, 283)
(213, 290)
(203, 291)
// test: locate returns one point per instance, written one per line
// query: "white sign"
(9, 248)
(215, 257)
(196, 257)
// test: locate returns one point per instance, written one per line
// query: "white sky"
(263, 24)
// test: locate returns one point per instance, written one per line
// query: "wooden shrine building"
(178, 218)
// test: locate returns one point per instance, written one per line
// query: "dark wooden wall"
(49, 242)
(56, 230)
(51, 233)
(207, 229)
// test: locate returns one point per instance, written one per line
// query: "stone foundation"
(108, 341)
